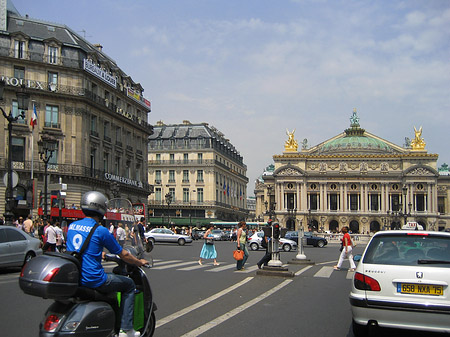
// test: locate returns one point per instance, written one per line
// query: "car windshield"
(216, 231)
(409, 249)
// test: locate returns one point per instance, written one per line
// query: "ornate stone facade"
(355, 179)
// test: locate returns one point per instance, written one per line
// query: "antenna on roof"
(84, 33)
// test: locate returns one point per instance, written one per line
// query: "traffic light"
(276, 230)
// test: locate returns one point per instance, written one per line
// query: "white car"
(403, 281)
(166, 235)
(255, 240)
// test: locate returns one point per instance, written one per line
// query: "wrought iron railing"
(61, 169)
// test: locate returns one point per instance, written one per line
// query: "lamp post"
(405, 215)
(168, 197)
(22, 103)
(190, 209)
(46, 146)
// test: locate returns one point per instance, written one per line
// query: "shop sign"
(138, 98)
(99, 72)
(123, 180)
(18, 82)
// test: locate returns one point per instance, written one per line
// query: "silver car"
(403, 281)
(17, 247)
(166, 235)
(255, 242)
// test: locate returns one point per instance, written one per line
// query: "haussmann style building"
(90, 115)
(198, 176)
(355, 179)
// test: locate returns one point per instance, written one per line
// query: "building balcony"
(62, 170)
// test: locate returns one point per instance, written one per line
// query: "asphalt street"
(213, 300)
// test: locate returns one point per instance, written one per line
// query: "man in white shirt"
(50, 234)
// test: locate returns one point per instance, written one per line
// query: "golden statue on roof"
(291, 144)
(418, 144)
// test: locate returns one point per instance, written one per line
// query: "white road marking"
(234, 312)
(350, 275)
(196, 267)
(197, 305)
(221, 268)
(181, 264)
(166, 262)
(324, 272)
(247, 270)
(301, 271)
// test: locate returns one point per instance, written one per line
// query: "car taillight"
(364, 282)
(51, 275)
(51, 322)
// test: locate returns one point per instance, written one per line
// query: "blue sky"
(255, 68)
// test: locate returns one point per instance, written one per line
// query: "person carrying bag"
(208, 250)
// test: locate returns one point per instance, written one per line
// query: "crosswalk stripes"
(176, 265)
(160, 263)
(247, 270)
(222, 268)
(200, 266)
(324, 272)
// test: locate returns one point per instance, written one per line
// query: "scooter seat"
(85, 293)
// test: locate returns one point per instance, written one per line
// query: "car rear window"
(409, 249)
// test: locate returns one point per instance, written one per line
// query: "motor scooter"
(79, 311)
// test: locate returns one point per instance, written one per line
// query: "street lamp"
(168, 197)
(405, 215)
(22, 104)
(190, 210)
(46, 146)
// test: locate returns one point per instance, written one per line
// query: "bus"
(231, 225)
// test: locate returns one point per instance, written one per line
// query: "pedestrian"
(50, 234)
(121, 235)
(242, 244)
(208, 249)
(59, 237)
(20, 224)
(346, 250)
(28, 225)
(265, 243)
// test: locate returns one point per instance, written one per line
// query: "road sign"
(15, 179)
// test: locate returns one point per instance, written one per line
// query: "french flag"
(34, 117)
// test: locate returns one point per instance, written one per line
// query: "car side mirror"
(357, 258)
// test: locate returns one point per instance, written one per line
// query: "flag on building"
(34, 117)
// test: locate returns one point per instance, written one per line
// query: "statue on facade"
(291, 144)
(305, 144)
(407, 144)
(418, 143)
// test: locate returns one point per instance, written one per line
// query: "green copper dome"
(355, 140)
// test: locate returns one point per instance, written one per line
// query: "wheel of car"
(181, 241)
(28, 257)
(254, 246)
(287, 247)
(359, 330)
(152, 240)
(321, 244)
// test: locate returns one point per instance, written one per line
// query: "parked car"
(308, 239)
(255, 240)
(166, 235)
(218, 235)
(402, 281)
(17, 247)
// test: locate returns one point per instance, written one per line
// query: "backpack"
(263, 242)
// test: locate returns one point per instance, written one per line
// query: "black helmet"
(94, 203)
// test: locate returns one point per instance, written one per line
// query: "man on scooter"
(94, 206)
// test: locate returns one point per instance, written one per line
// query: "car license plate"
(420, 289)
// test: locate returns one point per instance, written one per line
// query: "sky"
(256, 68)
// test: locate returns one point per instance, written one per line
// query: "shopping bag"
(238, 255)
